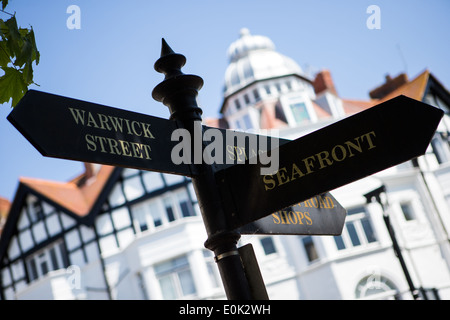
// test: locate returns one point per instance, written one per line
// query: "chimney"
(390, 85)
(323, 81)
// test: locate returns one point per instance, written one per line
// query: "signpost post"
(234, 198)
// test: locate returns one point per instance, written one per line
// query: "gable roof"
(76, 199)
(80, 198)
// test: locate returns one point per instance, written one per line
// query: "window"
(256, 95)
(169, 209)
(212, 269)
(51, 258)
(278, 87)
(289, 85)
(357, 231)
(299, 112)
(248, 122)
(185, 204)
(375, 284)
(237, 104)
(310, 248)
(175, 278)
(268, 245)
(267, 88)
(246, 99)
(407, 211)
(440, 147)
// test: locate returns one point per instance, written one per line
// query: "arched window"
(377, 286)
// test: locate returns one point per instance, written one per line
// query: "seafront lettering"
(326, 158)
(122, 126)
(293, 216)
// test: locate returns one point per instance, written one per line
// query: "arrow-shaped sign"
(67, 128)
(373, 140)
(320, 215)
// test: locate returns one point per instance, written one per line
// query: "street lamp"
(379, 195)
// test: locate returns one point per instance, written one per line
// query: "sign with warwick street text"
(67, 128)
(370, 141)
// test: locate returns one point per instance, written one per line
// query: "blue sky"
(110, 59)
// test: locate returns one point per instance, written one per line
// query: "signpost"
(233, 196)
(370, 141)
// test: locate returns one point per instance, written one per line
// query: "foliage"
(18, 51)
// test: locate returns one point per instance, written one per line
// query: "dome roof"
(252, 58)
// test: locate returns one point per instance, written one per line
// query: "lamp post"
(379, 195)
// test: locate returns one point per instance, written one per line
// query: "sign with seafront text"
(370, 141)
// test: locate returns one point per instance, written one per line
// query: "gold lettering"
(351, 145)
(308, 164)
(90, 142)
(300, 216)
(292, 217)
(268, 180)
(147, 150)
(326, 158)
(77, 115)
(284, 218)
(113, 146)
(316, 203)
(91, 120)
(334, 155)
(307, 217)
(282, 179)
(127, 122)
(134, 129)
(101, 139)
(276, 218)
(145, 129)
(296, 171)
(307, 203)
(125, 148)
(329, 203)
(116, 124)
(369, 139)
(241, 151)
(137, 150)
(322, 158)
(230, 152)
(103, 121)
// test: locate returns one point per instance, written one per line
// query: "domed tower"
(263, 88)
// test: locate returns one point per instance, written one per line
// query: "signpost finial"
(178, 91)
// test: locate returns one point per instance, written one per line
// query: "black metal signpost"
(234, 197)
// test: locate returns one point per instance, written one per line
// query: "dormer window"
(299, 112)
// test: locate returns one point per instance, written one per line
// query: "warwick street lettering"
(67, 128)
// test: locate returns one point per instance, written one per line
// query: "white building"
(115, 233)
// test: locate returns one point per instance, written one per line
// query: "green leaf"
(4, 54)
(12, 85)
